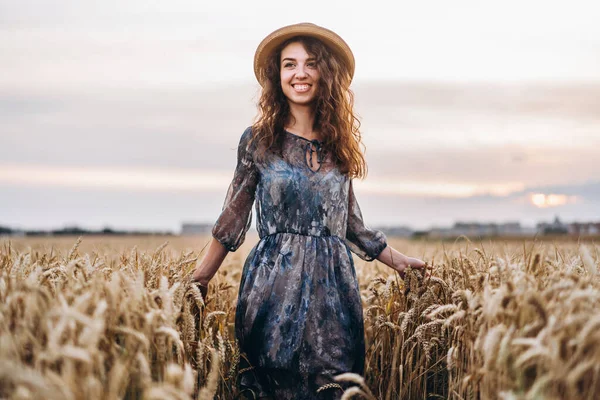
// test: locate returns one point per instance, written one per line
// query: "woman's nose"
(301, 72)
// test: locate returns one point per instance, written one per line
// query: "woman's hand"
(201, 282)
(398, 261)
(208, 266)
(406, 262)
(203, 287)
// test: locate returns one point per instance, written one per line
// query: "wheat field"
(115, 317)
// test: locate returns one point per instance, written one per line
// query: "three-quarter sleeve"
(236, 215)
(365, 242)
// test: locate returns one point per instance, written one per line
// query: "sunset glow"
(541, 200)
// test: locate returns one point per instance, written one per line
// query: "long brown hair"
(334, 109)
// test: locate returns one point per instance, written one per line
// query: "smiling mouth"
(301, 87)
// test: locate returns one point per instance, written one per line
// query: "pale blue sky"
(127, 113)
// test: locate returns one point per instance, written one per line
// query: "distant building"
(396, 231)
(584, 228)
(190, 228)
(554, 228)
(510, 228)
(6, 231)
(479, 229)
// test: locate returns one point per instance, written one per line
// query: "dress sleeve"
(365, 242)
(236, 215)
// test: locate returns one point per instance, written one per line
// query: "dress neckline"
(303, 138)
(310, 147)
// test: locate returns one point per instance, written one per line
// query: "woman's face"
(299, 74)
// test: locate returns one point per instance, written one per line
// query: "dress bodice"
(292, 197)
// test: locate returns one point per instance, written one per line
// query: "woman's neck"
(301, 121)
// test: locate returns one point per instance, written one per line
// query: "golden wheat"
(116, 318)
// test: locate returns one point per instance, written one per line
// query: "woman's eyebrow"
(293, 59)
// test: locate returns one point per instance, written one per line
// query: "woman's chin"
(301, 100)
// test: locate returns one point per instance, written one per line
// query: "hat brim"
(331, 39)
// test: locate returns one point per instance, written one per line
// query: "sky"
(127, 114)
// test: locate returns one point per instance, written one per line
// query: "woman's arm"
(210, 263)
(230, 229)
(363, 241)
(371, 244)
(398, 261)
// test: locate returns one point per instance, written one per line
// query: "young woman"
(299, 319)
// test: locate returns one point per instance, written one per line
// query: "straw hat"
(331, 39)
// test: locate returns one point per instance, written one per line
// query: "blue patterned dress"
(299, 319)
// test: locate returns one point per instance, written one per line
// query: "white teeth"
(301, 88)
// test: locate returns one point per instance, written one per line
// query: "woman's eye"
(288, 65)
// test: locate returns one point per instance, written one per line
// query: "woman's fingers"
(204, 291)
(203, 287)
(416, 263)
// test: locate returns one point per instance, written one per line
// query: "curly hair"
(334, 108)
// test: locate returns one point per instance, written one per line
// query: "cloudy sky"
(127, 113)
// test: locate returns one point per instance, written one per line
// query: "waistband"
(324, 233)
